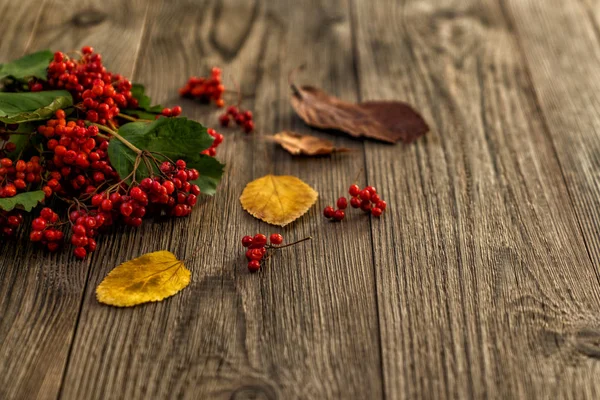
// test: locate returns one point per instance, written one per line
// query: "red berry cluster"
(212, 150)
(366, 199)
(80, 158)
(15, 177)
(9, 222)
(44, 230)
(205, 89)
(257, 248)
(85, 229)
(241, 117)
(98, 92)
(171, 112)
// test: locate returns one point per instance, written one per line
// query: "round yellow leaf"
(151, 277)
(278, 200)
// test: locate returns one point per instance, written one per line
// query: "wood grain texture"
(41, 294)
(306, 326)
(569, 103)
(480, 281)
(485, 287)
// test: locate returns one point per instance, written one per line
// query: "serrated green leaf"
(26, 201)
(30, 66)
(175, 138)
(16, 108)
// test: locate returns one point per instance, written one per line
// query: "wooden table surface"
(481, 280)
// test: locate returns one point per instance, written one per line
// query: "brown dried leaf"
(306, 145)
(388, 121)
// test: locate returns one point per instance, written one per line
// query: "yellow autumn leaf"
(151, 277)
(278, 200)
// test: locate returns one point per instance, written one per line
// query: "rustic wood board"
(481, 280)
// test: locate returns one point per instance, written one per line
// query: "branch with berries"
(82, 149)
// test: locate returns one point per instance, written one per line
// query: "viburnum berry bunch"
(93, 153)
(259, 250)
(242, 118)
(366, 199)
(205, 89)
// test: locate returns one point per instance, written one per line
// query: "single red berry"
(80, 252)
(382, 205)
(276, 238)
(255, 254)
(376, 212)
(339, 215)
(375, 198)
(355, 202)
(224, 120)
(106, 205)
(38, 224)
(175, 111)
(354, 190)
(342, 203)
(248, 126)
(253, 266)
(246, 241)
(328, 212)
(259, 239)
(365, 194)
(166, 112)
(35, 236)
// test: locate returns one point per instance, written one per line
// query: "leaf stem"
(119, 137)
(127, 117)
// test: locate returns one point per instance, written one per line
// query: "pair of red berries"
(257, 248)
(171, 112)
(366, 199)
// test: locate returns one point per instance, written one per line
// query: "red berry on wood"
(259, 239)
(354, 190)
(276, 238)
(342, 203)
(246, 241)
(365, 195)
(376, 212)
(339, 215)
(253, 266)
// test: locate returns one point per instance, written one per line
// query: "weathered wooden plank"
(304, 327)
(485, 288)
(564, 67)
(40, 294)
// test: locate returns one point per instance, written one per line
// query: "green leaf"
(175, 138)
(30, 66)
(21, 141)
(144, 102)
(26, 201)
(210, 170)
(16, 108)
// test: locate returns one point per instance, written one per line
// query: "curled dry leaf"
(306, 145)
(278, 200)
(388, 121)
(151, 277)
